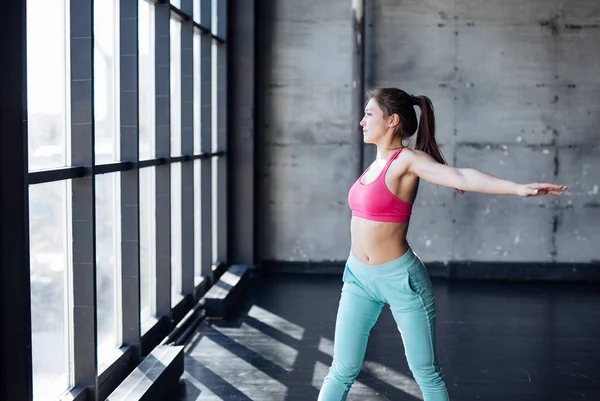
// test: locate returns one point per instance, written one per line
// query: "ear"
(393, 120)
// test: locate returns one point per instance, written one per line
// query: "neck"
(385, 150)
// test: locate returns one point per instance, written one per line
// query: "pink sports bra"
(374, 201)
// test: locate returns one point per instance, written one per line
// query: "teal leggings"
(405, 285)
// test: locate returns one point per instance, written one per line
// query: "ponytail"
(426, 132)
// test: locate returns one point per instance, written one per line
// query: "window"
(175, 87)
(50, 263)
(146, 80)
(49, 204)
(176, 237)
(176, 201)
(147, 243)
(147, 175)
(90, 227)
(215, 140)
(197, 145)
(106, 80)
(197, 91)
(47, 83)
(214, 15)
(108, 263)
(106, 118)
(196, 11)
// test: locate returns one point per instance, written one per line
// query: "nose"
(362, 122)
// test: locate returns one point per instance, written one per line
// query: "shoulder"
(401, 163)
(412, 156)
(409, 155)
(406, 160)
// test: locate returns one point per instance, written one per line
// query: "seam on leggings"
(429, 327)
(427, 317)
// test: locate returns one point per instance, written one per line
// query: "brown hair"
(396, 101)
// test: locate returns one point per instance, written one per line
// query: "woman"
(381, 267)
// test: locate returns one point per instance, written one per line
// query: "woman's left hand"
(540, 189)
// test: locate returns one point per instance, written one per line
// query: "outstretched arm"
(468, 179)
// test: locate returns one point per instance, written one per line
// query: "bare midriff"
(375, 242)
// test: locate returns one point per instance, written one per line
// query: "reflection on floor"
(496, 342)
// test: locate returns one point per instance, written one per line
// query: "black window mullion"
(130, 196)
(59, 174)
(68, 173)
(83, 197)
(206, 147)
(15, 304)
(186, 14)
(187, 147)
(163, 149)
(114, 167)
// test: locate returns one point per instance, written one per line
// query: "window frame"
(89, 379)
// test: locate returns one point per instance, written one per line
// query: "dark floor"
(496, 342)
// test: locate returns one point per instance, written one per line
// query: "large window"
(147, 143)
(176, 195)
(197, 144)
(147, 243)
(215, 162)
(106, 129)
(108, 263)
(49, 204)
(219, 129)
(147, 76)
(176, 238)
(175, 81)
(124, 123)
(50, 261)
(106, 80)
(48, 83)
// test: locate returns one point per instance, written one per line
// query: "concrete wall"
(516, 89)
(307, 159)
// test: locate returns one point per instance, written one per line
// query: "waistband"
(403, 261)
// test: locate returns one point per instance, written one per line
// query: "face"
(375, 125)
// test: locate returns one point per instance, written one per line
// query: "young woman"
(381, 267)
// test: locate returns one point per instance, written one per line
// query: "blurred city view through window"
(48, 100)
(51, 209)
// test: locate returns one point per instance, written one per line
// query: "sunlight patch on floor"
(205, 393)
(273, 320)
(280, 354)
(393, 378)
(326, 346)
(238, 373)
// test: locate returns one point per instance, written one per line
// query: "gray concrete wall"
(307, 158)
(517, 94)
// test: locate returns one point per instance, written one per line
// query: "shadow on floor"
(496, 341)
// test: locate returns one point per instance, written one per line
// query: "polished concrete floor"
(497, 341)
